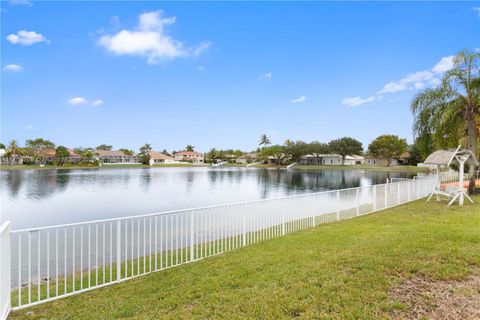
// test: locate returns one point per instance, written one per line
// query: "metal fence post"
(398, 192)
(119, 254)
(386, 195)
(192, 238)
(374, 198)
(244, 231)
(358, 201)
(409, 187)
(338, 205)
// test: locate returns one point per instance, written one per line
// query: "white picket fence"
(51, 262)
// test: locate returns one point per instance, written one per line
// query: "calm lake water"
(31, 198)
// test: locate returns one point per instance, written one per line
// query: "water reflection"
(44, 197)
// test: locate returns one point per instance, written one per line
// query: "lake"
(32, 198)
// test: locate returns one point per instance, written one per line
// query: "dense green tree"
(105, 147)
(84, 152)
(61, 153)
(189, 147)
(277, 152)
(316, 149)
(450, 113)
(415, 155)
(39, 143)
(2, 146)
(345, 146)
(294, 150)
(264, 141)
(144, 153)
(88, 153)
(127, 152)
(387, 146)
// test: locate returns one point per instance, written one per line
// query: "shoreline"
(260, 166)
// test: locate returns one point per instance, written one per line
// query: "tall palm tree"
(189, 147)
(12, 151)
(451, 111)
(264, 141)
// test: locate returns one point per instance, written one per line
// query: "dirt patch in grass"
(424, 298)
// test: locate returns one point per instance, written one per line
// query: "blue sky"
(220, 74)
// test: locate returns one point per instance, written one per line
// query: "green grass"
(334, 271)
(364, 167)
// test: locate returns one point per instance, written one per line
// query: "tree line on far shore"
(383, 147)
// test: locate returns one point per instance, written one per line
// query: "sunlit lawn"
(335, 271)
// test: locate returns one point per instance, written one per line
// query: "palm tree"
(12, 150)
(451, 111)
(264, 141)
(189, 147)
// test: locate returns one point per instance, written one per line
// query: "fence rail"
(48, 263)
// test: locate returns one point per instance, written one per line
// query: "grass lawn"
(345, 270)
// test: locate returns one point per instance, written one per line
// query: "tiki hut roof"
(445, 157)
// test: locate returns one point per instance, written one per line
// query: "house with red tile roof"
(190, 156)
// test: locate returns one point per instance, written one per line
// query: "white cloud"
(356, 101)
(445, 64)
(77, 101)
(97, 102)
(300, 99)
(419, 79)
(21, 3)
(13, 68)
(265, 76)
(149, 40)
(201, 68)
(198, 50)
(28, 127)
(477, 10)
(26, 38)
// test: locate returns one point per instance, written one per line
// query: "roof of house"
(188, 153)
(73, 153)
(157, 155)
(248, 155)
(445, 157)
(405, 155)
(320, 155)
(355, 157)
(109, 153)
(49, 152)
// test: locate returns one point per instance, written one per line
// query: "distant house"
(354, 160)
(159, 158)
(321, 159)
(247, 158)
(105, 156)
(192, 156)
(380, 162)
(47, 155)
(404, 158)
(73, 156)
